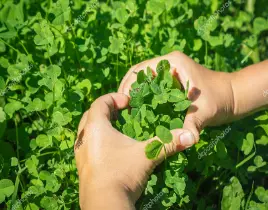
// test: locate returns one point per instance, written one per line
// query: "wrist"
(221, 88)
(98, 192)
(110, 196)
(248, 85)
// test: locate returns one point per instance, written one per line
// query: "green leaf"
(2, 115)
(215, 40)
(252, 169)
(6, 187)
(43, 35)
(150, 116)
(14, 161)
(31, 164)
(84, 84)
(263, 141)
(43, 141)
(164, 134)
(258, 161)
(52, 183)
(262, 194)
(156, 7)
(136, 101)
(221, 150)
(8, 35)
(49, 203)
(155, 88)
(129, 130)
(149, 72)
(138, 95)
(248, 144)
(44, 175)
(197, 44)
(2, 47)
(232, 195)
(32, 206)
(182, 105)
(50, 77)
(176, 123)
(165, 118)
(137, 128)
(141, 77)
(36, 105)
(117, 45)
(153, 149)
(163, 65)
(12, 107)
(179, 186)
(262, 117)
(62, 117)
(259, 25)
(2, 85)
(121, 15)
(2, 197)
(161, 98)
(145, 90)
(61, 12)
(176, 95)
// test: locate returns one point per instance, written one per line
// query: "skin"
(113, 168)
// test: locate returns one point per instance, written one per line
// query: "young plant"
(158, 105)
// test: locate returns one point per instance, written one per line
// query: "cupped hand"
(107, 159)
(211, 92)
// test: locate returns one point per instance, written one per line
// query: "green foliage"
(57, 57)
(153, 149)
(153, 115)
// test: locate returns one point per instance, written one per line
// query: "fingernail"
(187, 139)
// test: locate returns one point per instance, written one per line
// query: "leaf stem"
(17, 142)
(48, 56)
(21, 43)
(10, 46)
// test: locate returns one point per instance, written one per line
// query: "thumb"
(177, 144)
(193, 125)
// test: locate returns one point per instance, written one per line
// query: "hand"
(110, 164)
(211, 92)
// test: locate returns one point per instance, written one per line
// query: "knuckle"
(176, 53)
(85, 115)
(197, 122)
(171, 148)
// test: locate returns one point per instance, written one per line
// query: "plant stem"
(48, 56)
(24, 47)
(47, 153)
(17, 141)
(14, 195)
(10, 46)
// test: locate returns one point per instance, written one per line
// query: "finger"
(194, 124)
(82, 122)
(176, 69)
(104, 106)
(177, 144)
